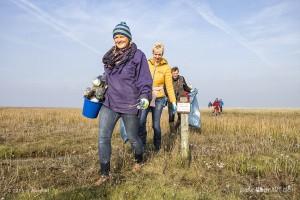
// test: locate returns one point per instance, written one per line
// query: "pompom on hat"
(122, 29)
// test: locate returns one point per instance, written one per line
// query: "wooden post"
(183, 107)
(184, 131)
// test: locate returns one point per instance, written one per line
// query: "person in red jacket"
(216, 106)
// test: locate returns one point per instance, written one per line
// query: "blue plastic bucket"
(91, 109)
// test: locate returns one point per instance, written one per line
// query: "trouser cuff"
(105, 168)
(138, 158)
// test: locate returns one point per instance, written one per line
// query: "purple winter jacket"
(127, 84)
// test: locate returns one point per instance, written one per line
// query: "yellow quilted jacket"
(162, 76)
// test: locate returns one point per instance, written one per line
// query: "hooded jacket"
(127, 84)
(162, 77)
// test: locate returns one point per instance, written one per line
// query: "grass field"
(243, 154)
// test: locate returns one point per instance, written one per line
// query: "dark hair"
(174, 69)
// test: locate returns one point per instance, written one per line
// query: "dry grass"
(243, 154)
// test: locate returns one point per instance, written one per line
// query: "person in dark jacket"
(129, 88)
(181, 89)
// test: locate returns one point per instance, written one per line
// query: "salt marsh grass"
(242, 154)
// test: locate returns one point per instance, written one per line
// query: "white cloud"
(271, 12)
(274, 30)
(204, 10)
(54, 23)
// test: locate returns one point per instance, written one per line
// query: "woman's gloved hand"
(174, 107)
(143, 104)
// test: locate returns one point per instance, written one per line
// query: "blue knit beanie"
(122, 29)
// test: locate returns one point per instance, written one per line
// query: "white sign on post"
(183, 107)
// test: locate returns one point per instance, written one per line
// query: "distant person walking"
(162, 78)
(209, 104)
(181, 89)
(216, 106)
(221, 105)
(129, 83)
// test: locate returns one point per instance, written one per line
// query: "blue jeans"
(123, 131)
(156, 115)
(108, 119)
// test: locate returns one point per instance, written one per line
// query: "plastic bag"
(194, 115)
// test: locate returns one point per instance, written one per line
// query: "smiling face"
(121, 41)
(157, 55)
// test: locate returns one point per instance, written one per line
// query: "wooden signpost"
(183, 107)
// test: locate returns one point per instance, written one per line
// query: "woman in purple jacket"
(129, 88)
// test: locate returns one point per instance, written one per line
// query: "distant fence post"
(183, 107)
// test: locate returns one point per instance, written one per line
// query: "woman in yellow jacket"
(162, 81)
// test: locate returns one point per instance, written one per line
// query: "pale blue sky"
(246, 52)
